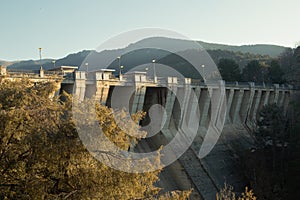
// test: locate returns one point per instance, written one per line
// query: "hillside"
(136, 54)
(30, 64)
(261, 49)
(5, 63)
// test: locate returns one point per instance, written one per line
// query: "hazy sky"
(61, 27)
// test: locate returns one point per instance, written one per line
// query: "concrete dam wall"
(231, 107)
(208, 174)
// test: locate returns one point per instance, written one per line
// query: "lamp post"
(203, 66)
(119, 59)
(154, 71)
(53, 63)
(120, 75)
(40, 51)
(41, 68)
(87, 67)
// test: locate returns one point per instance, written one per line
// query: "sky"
(62, 27)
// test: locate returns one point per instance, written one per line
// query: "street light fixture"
(40, 50)
(154, 71)
(87, 67)
(203, 66)
(54, 61)
(119, 58)
(120, 75)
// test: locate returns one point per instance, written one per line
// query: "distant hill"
(136, 54)
(29, 64)
(5, 63)
(261, 49)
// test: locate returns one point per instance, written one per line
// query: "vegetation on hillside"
(131, 58)
(290, 65)
(227, 193)
(229, 70)
(273, 166)
(259, 49)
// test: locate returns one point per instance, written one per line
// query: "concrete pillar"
(102, 88)
(266, 99)
(219, 119)
(193, 110)
(286, 102)
(42, 73)
(185, 96)
(79, 91)
(3, 71)
(204, 106)
(276, 98)
(271, 97)
(255, 107)
(197, 92)
(238, 103)
(138, 99)
(281, 98)
(246, 105)
(170, 100)
(230, 95)
(102, 91)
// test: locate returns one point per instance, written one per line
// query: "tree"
(229, 70)
(293, 173)
(266, 165)
(290, 64)
(275, 72)
(272, 125)
(253, 72)
(41, 155)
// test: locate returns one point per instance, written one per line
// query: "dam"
(140, 91)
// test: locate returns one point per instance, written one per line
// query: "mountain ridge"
(107, 58)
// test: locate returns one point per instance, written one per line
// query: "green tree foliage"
(253, 72)
(293, 172)
(275, 72)
(229, 70)
(290, 64)
(272, 125)
(42, 157)
(266, 166)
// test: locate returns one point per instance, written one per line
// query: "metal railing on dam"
(125, 79)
